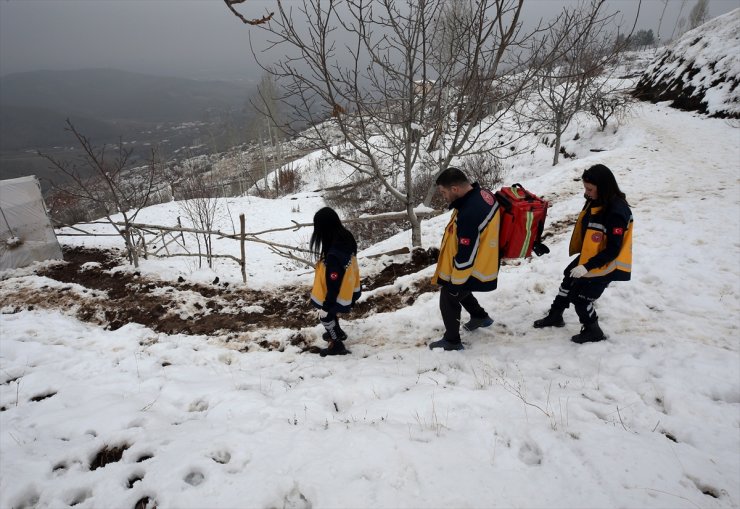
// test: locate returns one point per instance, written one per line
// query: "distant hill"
(107, 106)
(34, 105)
(30, 127)
(119, 95)
(700, 71)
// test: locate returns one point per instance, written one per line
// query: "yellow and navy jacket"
(336, 283)
(604, 241)
(469, 254)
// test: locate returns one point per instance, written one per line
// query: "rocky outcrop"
(700, 71)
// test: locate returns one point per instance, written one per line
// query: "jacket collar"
(460, 202)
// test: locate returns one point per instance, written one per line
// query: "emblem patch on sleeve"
(618, 231)
(334, 276)
(464, 241)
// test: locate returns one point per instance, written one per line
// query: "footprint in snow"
(79, 496)
(135, 476)
(222, 457)
(198, 405)
(194, 478)
(296, 500)
(530, 454)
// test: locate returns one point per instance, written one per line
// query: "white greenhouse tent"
(26, 234)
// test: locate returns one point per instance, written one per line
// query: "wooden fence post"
(244, 256)
(182, 235)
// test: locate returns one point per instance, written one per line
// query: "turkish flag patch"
(334, 276)
(618, 231)
(487, 196)
(464, 241)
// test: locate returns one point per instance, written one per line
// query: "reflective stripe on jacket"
(469, 253)
(591, 236)
(349, 289)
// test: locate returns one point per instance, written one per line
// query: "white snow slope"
(520, 418)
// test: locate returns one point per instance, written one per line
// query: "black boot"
(590, 333)
(477, 323)
(554, 318)
(335, 347)
(446, 345)
(341, 335)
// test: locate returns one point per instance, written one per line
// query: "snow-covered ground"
(521, 418)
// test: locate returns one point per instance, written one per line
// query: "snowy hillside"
(96, 414)
(700, 71)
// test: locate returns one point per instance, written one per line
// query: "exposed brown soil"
(113, 298)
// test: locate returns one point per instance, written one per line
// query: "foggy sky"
(197, 38)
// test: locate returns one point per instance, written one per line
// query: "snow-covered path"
(696, 196)
(521, 418)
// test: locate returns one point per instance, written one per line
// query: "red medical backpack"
(522, 220)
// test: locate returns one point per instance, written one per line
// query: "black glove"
(540, 249)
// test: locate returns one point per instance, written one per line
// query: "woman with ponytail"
(336, 284)
(602, 238)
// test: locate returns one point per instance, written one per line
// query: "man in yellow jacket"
(468, 257)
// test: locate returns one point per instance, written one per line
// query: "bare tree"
(200, 204)
(581, 48)
(398, 93)
(698, 14)
(660, 21)
(680, 22)
(272, 120)
(108, 184)
(605, 103)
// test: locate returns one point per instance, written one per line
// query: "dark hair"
(607, 189)
(328, 229)
(451, 177)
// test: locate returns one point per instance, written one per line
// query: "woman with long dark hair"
(336, 285)
(602, 238)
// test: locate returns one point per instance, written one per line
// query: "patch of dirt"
(108, 455)
(559, 227)
(114, 298)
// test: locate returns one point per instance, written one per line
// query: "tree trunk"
(243, 262)
(209, 250)
(415, 226)
(133, 255)
(558, 135)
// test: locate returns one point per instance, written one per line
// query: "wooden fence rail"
(160, 231)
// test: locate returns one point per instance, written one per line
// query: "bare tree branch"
(399, 97)
(112, 187)
(580, 47)
(258, 21)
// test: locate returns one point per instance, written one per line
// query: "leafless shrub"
(362, 196)
(605, 106)
(484, 168)
(287, 180)
(200, 205)
(66, 208)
